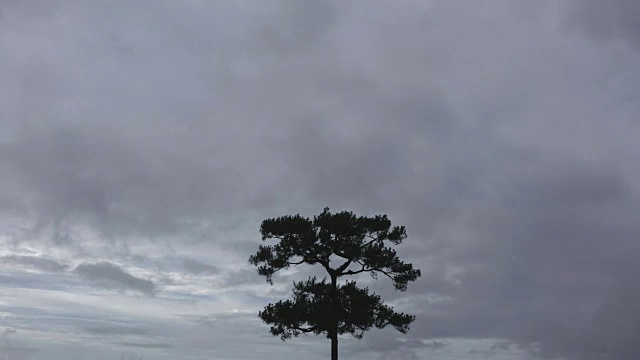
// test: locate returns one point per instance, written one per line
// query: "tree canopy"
(343, 244)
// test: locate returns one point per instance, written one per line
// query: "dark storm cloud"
(296, 27)
(538, 225)
(95, 175)
(127, 176)
(111, 276)
(542, 263)
(545, 232)
(607, 21)
(36, 262)
(123, 177)
(101, 169)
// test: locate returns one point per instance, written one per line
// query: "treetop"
(360, 243)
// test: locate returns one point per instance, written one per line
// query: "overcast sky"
(142, 143)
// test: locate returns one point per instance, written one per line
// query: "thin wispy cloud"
(33, 262)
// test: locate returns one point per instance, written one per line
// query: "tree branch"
(366, 269)
(344, 266)
(325, 264)
(373, 239)
(295, 263)
(341, 254)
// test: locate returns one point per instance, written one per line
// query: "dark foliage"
(327, 307)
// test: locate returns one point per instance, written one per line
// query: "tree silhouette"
(342, 244)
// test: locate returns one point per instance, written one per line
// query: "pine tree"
(343, 245)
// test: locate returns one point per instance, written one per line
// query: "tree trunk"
(334, 346)
(334, 317)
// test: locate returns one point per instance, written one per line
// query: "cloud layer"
(142, 143)
(106, 274)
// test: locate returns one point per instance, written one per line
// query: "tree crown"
(344, 245)
(359, 243)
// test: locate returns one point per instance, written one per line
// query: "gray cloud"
(17, 353)
(438, 345)
(552, 267)
(147, 345)
(196, 267)
(36, 262)
(12, 352)
(604, 22)
(108, 275)
(162, 132)
(116, 330)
